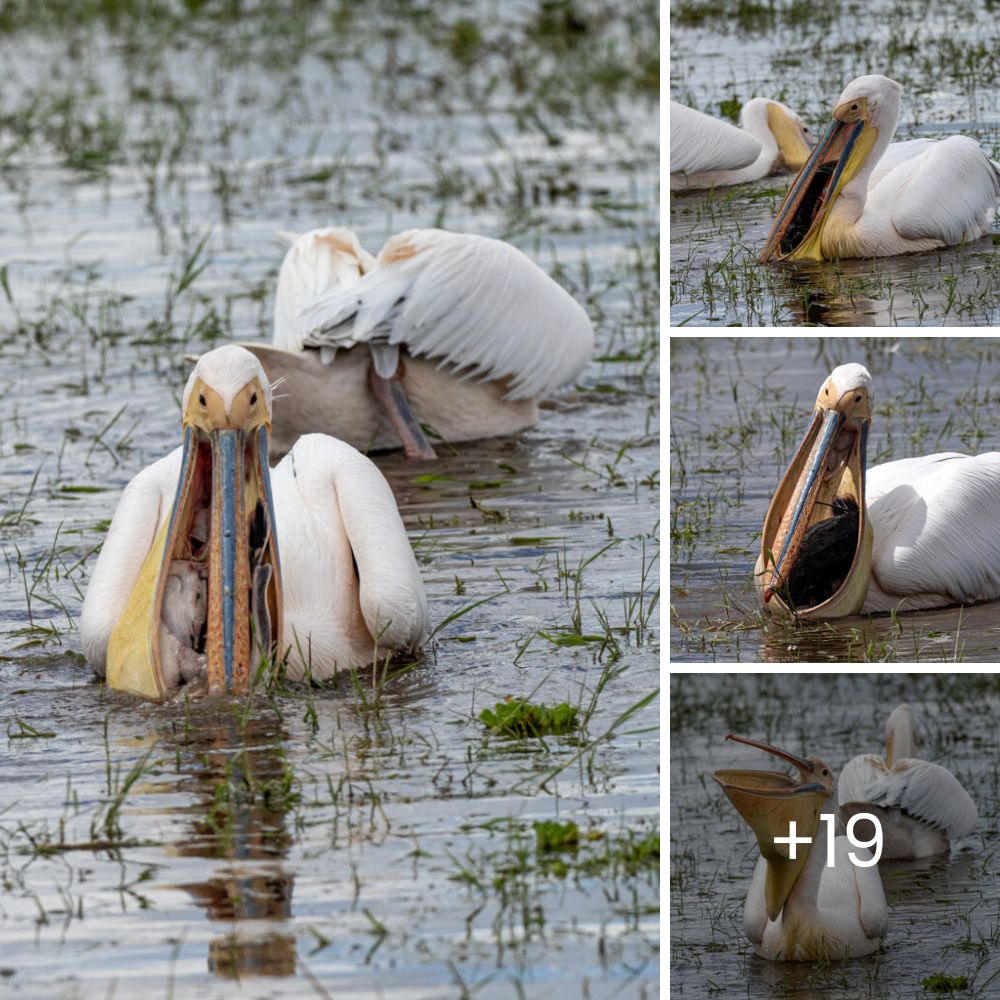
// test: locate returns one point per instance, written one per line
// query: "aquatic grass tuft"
(942, 983)
(517, 718)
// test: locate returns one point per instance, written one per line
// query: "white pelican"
(921, 806)
(213, 559)
(800, 910)
(706, 152)
(840, 538)
(844, 203)
(459, 332)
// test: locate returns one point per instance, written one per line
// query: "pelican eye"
(854, 107)
(201, 399)
(825, 772)
(857, 398)
(253, 399)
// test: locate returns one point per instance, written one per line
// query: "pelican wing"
(897, 153)
(136, 520)
(951, 192)
(935, 528)
(474, 303)
(317, 262)
(699, 142)
(866, 892)
(392, 597)
(930, 793)
(755, 907)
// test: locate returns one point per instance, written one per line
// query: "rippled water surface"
(722, 54)
(369, 838)
(738, 411)
(944, 912)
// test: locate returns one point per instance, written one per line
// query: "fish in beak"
(816, 544)
(220, 537)
(770, 802)
(801, 230)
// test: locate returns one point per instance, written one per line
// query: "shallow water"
(738, 410)
(944, 912)
(942, 54)
(368, 837)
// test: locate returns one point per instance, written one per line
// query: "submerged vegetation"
(148, 152)
(517, 718)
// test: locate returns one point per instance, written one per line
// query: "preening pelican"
(800, 910)
(840, 538)
(214, 562)
(706, 152)
(457, 332)
(845, 203)
(921, 806)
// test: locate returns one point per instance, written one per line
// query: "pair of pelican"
(215, 563)
(858, 194)
(797, 907)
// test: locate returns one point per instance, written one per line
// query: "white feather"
(319, 261)
(936, 531)
(475, 304)
(700, 142)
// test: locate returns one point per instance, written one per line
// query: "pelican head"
(769, 802)
(816, 545)
(221, 524)
(791, 134)
(865, 113)
(903, 735)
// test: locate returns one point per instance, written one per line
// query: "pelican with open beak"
(816, 545)
(841, 538)
(859, 196)
(215, 565)
(797, 909)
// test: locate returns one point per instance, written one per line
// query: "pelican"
(800, 910)
(920, 805)
(458, 332)
(845, 203)
(214, 563)
(839, 538)
(706, 152)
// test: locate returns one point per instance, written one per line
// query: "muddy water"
(944, 911)
(939, 52)
(364, 838)
(738, 409)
